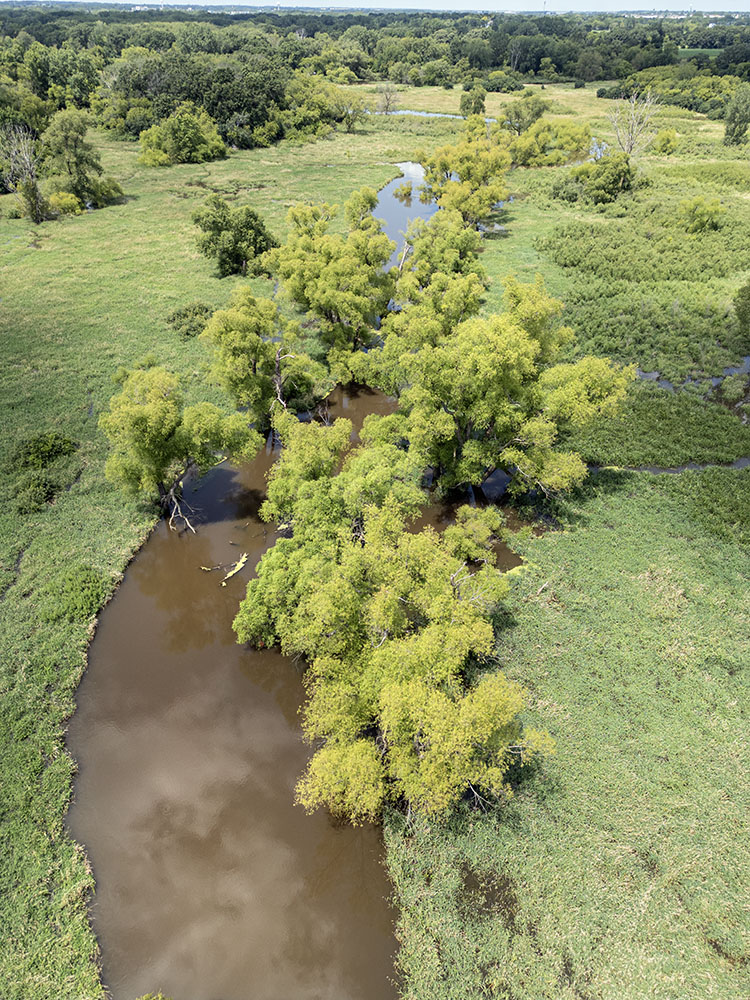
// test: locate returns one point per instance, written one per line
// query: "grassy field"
(621, 871)
(83, 296)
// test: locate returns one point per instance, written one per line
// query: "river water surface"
(211, 883)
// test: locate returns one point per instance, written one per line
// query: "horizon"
(449, 6)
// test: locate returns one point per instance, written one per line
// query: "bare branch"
(632, 120)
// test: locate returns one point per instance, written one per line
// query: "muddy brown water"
(210, 883)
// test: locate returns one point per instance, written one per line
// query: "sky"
(516, 6)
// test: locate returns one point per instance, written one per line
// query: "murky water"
(210, 882)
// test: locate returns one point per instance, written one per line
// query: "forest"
(453, 312)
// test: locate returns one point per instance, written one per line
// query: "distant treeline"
(132, 69)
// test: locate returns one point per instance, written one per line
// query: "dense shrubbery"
(675, 328)
(682, 85)
(188, 135)
(78, 595)
(601, 181)
(190, 320)
(40, 451)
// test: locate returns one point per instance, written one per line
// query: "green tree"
(472, 102)
(234, 237)
(340, 280)
(600, 182)
(489, 395)
(520, 115)
(737, 117)
(259, 361)
(741, 304)
(72, 161)
(188, 135)
(548, 144)
(156, 440)
(468, 176)
(389, 622)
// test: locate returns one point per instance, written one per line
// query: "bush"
(190, 321)
(665, 141)
(189, 135)
(733, 388)
(741, 304)
(700, 214)
(599, 182)
(34, 490)
(579, 84)
(64, 203)
(40, 451)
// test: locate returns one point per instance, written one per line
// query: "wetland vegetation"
(613, 867)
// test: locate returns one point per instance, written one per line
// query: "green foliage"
(664, 429)
(469, 176)
(600, 181)
(626, 624)
(259, 361)
(40, 451)
(665, 142)
(489, 395)
(548, 144)
(189, 321)
(64, 203)
(733, 389)
(519, 116)
(34, 490)
(472, 102)
(78, 594)
(72, 162)
(737, 117)
(339, 280)
(155, 439)
(700, 214)
(389, 622)
(235, 237)
(188, 135)
(741, 304)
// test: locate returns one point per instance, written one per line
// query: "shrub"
(40, 451)
(34, 490)
(741, 304)
(189, 135)
(665, 141)
(700, 214)
(190, 321)
(64, 203)
(599, 182)
(733, 388)
(579, 84)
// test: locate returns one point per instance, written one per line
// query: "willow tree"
(156, 440)
(260, 360)
(339, 279)
(490, 394)
(390, 622)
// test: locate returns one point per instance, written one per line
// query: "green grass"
(619, 872)
(656, 427)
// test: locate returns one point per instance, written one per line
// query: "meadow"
(617, 871)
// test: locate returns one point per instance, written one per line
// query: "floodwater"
(211, 884)
(396, 213)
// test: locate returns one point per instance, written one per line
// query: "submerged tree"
(339, 280)
(389, 621)
(260, 361)
(156, 440)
